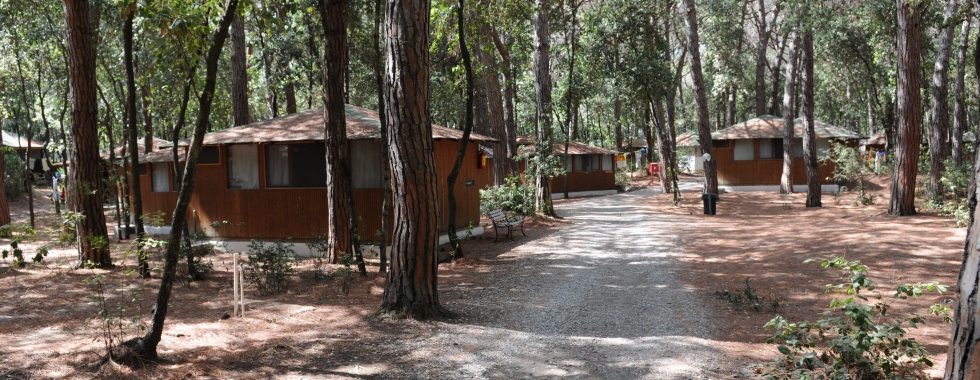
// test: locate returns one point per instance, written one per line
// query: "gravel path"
(596, 299)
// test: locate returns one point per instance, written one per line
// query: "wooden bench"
(502, 221)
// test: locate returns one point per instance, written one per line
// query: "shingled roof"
(768, 126)
(362, 124)
(687, 139)
(14, 141)
(526, 145)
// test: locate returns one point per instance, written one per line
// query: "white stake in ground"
(238, 283)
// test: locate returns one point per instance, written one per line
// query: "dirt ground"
(313, 328)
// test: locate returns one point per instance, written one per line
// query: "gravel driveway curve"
(596, 299)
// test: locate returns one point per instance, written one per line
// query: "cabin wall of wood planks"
(765, 171)
(301, 213)
(595, 180)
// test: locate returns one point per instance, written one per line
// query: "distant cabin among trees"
(751, 153)
(35, 159)
(268, 179)
(591, 170)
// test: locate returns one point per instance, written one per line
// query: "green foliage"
(120, 316)
(850, 168)
(514, 195)
(20, 234)
(319, 255)
(269, 266)
(345, 275)
(956, 184)
(154, 219)
(854, 339)
(748, 296)
(13, 173)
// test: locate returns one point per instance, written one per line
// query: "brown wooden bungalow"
(590, 169)
(267, 179)
(751, 153)
(35, 159)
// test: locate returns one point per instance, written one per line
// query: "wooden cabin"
(689, 156)
(35, 158)
(751, 153)
(590, 169)
(268, 179)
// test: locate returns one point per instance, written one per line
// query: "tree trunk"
(809, 136)
(761, 62)
(496, 119)
(146, 347)
(939, 113)
(789, 95)
(85, 178)
(342, 222)
(290, 98)
(959, 111)
(467, 128)
(239, 73)
(617, 120)
(774, 103)
(542, 88)
(909, 108)
(137, 195)
(4, 205)
(383, 120)
(147, 119)
(509, 144)
(411, 286)
(700, 98)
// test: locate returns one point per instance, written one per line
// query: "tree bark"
(959, 93)
(4, 205)
(761, 62)
(939, 113)
(147, 120)
(774, 102)
(496, 118)
(509, 144)
(85, 178)
(700, 98)
(342, 222)
(146, 347)
(411, 286)
(467, 128)
(137, 195)
(909, 102)
(789, 95)
(809, 136)
(239, 73)
(542, 88)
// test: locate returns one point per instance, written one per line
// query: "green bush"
(513, 195)
(850, 168)
(854, 339)
(13, 173)
(269, 266)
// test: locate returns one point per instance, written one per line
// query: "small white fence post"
(238, 283)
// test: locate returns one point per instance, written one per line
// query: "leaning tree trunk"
(137, 196)
(383, 120)
(85, 178)
(239, 73)
(411, 286)
(909, 108)
(509, 144)
(467, 128)
(959, 111)
(542, 88)
(146, 347)
(939, 113)
(809, 136)
(342, 221)
(700, 98)
(789, 95)
(495, 104)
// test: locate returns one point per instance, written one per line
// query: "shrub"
(319, 255)
(14, 173)
(345, 274)
(513, 195)
(853, 340)
(850, 168)
(269, 266)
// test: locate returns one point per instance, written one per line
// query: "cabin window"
(823, 148)
(142, 169)
(587, 162)
(771, 148)
(295, 165)
(243, 166)
(607, 162)
(365, 164)
(798, 148)
(720, 144)
(161, 177)
(209, 155)
(569, 163)
(744, 150)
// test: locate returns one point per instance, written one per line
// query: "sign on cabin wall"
(471, 182)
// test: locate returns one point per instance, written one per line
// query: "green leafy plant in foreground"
(857, 338)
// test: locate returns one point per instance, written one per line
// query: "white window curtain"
(582, 163)
(365, 163)
(595, 162)
(243, 166)
(607, 162)
(569, 163)
(798, 148)
(823, 148)
(277, 166)
(161, 177)
(745, 150)
(765, 148)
